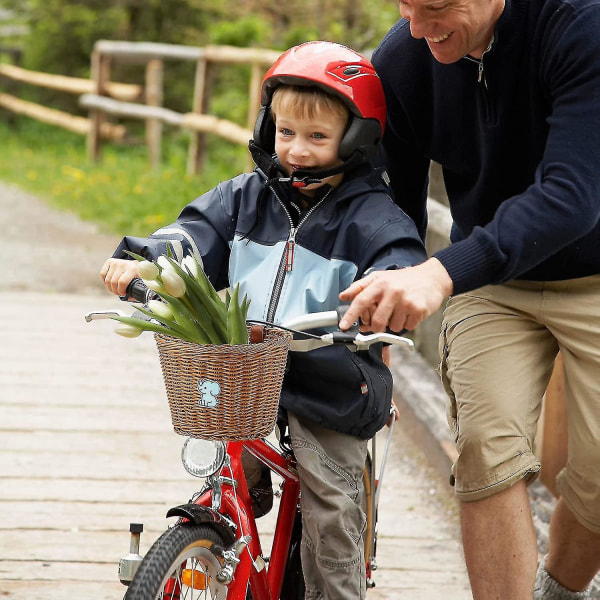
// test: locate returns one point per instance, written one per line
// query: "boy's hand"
(117, 273)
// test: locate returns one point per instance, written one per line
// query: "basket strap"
(257, 334)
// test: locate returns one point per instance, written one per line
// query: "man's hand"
(397, 299)
(117, 273)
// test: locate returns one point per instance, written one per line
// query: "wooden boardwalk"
(87, 447)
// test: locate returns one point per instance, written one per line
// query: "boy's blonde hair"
(305, 102)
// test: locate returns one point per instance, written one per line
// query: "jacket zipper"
(286, 264)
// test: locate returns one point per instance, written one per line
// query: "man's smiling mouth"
(439, 38)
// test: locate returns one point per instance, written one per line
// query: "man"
(506, 97)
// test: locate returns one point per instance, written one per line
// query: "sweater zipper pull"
(480, 74)
(290, 247)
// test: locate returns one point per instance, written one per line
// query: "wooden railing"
(69, 85)
(153, 56)
(103, 97)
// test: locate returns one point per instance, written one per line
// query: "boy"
(312, 217)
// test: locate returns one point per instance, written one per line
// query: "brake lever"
(104, 314)
(365, 340)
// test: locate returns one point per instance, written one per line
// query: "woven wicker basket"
(225, 392)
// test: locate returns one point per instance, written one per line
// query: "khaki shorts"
(497, 349)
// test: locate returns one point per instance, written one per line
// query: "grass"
(121, 194)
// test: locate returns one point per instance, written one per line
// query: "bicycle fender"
(197, 514)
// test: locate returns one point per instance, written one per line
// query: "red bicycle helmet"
(341, 72)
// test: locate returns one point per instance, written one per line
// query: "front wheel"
(182, 564)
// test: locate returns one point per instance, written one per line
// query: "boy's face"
(309, 143)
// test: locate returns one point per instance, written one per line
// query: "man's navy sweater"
(519, 146)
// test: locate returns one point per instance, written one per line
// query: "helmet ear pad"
(362, 135)
(264, 130)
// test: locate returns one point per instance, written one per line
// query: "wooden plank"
(80, 589)
(93, 443)
(59, 118)
(46, 517)
(118, 490)
(149, 50)
(211, 124)
(130, 110)
(92, 418)
(24, 570)
(72, 85)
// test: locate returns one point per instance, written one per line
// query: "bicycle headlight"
(202, 458)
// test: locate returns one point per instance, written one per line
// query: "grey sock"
(547, 588)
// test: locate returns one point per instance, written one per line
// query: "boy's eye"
(286, 132)
(318, 136)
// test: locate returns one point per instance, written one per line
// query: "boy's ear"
(264, 130)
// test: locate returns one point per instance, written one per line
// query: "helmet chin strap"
(302, 177)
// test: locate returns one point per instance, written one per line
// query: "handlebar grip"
(139, 291)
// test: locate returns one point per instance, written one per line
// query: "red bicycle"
(214, 550)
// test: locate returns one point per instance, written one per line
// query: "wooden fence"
(103, 97)
(153, 56)
(70, 85)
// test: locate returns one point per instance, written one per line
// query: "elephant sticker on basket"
(209, 392)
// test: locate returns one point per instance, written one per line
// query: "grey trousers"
(333, 523)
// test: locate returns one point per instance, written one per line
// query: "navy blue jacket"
(290, 264)
(519, 146)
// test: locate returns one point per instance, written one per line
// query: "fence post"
(197, 139)
(154, 97)
(100, 74)
(253, 102)
(554, 435)
(12, 87)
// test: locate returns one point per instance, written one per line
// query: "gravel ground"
(46, 250)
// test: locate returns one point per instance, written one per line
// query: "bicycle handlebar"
(352, 337)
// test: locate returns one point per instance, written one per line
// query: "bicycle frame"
(233, 501)
(226, 503)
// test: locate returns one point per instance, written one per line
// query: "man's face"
(452, 28)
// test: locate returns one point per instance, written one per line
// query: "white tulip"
(128, 331)
(174, 285)
(163, 262)
(162, 309)
(154, 285)
(192, 266)
(148, 270)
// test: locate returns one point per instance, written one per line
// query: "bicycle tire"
(182, 547)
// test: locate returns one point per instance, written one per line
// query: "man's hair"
(304, 102)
